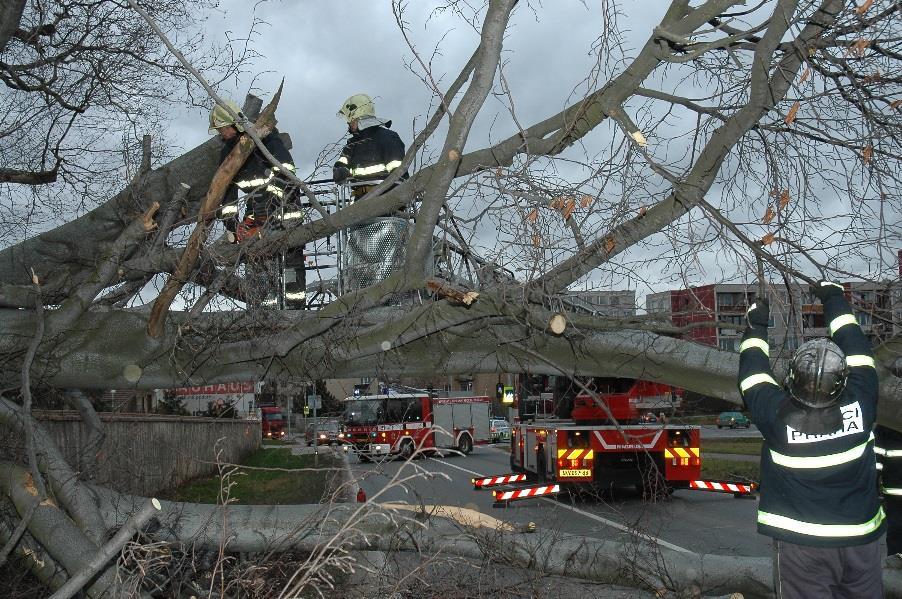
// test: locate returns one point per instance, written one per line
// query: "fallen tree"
(749, 148)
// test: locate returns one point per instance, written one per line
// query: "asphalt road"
(689, 520)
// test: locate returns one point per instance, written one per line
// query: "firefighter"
(270, 203)
(372, 152)
(889, 462)
(819, 497)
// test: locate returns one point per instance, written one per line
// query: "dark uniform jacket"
(817, 490)
(265, 190)
(372, 153)
(889, 462)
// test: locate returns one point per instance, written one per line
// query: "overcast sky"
(327, 51)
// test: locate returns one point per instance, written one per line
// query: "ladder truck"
(563, 435)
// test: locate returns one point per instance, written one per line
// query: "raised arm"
(759, 389)
(847, 334)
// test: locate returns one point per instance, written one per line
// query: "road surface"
(689, 520)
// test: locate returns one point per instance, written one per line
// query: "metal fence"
(373, 250)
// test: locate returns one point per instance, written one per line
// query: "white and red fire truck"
(399, 423)
(563, 435)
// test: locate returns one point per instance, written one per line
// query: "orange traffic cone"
(361, 496)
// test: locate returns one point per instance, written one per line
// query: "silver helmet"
(817, 373)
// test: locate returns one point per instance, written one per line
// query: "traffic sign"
(315, 401)
(508, 397)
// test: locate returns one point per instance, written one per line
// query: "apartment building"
(616, 303)
(715, 314)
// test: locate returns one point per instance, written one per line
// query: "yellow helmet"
(220, 117)
(355, 107)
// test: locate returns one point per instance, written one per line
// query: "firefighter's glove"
(340, 174)
(758, 314)
(824, 289)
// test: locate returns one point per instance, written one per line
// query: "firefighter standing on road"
(818, 475)
(372, 152)
(271, 202)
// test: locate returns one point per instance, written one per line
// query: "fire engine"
(399, 423)
(563, 435)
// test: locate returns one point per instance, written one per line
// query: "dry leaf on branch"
(569, 207)
(533, 215)
(767, 239)
(537, 240)
(642, 211)
(864, 7)
(558, 203)
(769, 215)
(784, 198)
(895, 104)
(585, 201)
(859, 47)
(867, 153)
(805, 75)
(792, 113)
(609, 244)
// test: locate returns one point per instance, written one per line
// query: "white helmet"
(220, 117)
(356, 107)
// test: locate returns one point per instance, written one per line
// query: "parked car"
(499, 430)
(327, 432)
(733, 420)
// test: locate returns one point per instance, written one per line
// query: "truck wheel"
(465, 445)
(406, 450)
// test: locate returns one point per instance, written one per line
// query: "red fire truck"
(564, 435)
(272, 422)
(398, 423)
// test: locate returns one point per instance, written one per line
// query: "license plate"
(581, 473)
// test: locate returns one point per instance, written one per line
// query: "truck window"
(395, 410)
(414, 410)
(363, 411)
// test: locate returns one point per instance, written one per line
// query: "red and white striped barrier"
(722, 487)
(503, 497)
(492, 481)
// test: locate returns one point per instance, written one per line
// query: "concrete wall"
(147, 453)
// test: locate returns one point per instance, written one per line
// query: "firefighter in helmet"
(373, 150)
(819, 497)
(271, 202)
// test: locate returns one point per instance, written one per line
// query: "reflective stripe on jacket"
(372, 153)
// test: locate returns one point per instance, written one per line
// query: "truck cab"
(272, 422)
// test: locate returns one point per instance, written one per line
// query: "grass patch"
(732, 470)
(737, 446)
(267, 487)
